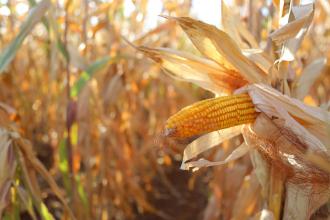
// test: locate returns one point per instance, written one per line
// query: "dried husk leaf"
(207, 142)
(220, 47)
(302, 202)
(308, 123)
(237, 153)
(285, 153)
(200, 71)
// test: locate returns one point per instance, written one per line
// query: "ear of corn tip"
(211, 115)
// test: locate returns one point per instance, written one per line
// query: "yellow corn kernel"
(211, 115)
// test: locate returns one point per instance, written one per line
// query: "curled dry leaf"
(206, 142)
(237, 153)
(203, 72)
(218, 46)
(292, 41)
(291, 29)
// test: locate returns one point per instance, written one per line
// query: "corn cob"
(211, 115)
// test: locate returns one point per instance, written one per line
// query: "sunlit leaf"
(200, 71)
(220, 47)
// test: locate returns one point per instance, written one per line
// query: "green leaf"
(64, 165)
(88, 73)
(35, 15)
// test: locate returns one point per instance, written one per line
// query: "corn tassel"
(211, 115)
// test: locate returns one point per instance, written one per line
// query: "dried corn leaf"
(291, 29)
(308, 77)
(27, 201)
(200, 71)
(220, 47)
(247, 36)
(232, 26)
(229, 23)
(292, 44)
(39, 167)
(260, 58)
(207, 142)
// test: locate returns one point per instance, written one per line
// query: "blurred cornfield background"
(92, 110)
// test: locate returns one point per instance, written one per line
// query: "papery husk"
(285, 131)
(308, 123)
(285, 151)
(237, 153)
(206, 142)
(302, 201)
